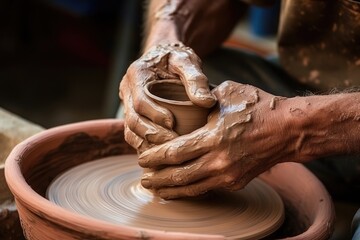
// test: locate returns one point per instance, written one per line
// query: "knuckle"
(141, 105)
(171, 153)
(131, 120)
(236, 183)
(222, 139)
(134, 66)
(127, 133)
(178, 178)
(227, 83)
(180, 55)
(137, 103)
(224, 87)
(193, 191)
(219, 165)
(122, 86)
(145, 146)
(133, 140)
(129, 138)
(230, 179)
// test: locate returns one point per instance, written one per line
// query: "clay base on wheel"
(109, 189)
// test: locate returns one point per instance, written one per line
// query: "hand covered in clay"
(244, 137)
(147, 123)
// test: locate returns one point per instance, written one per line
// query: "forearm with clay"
(325, 125)
(202, 25)
(177, 32)
(249, 132)
(174, 27)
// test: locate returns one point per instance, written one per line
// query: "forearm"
(199, 24)
(160, 26)
(324, 125)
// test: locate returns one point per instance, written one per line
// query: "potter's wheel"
(109, 189)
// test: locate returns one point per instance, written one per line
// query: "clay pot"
(171, 95)
(309, 211)
(34, 163)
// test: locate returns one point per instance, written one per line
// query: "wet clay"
(109, 189)
(171, 94)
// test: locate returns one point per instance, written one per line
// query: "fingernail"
(146, 183)
(201, 92)
(168, 123)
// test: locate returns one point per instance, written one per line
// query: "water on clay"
(109, 189)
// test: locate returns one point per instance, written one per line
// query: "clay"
(274, 101)
(109, 189)
(307, 201)
(34, 164)
(171, 94)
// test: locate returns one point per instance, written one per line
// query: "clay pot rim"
(20, 188)
(64, 217)
(325, 211)
(173, 102)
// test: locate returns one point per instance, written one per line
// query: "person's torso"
(319, 42)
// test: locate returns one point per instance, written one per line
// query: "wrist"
(323, 125)
(157, 35)
(163, 22)
(170, 21)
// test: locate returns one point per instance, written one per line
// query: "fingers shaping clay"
(171, 94)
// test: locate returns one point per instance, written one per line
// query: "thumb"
(194, 80)
(197, 88)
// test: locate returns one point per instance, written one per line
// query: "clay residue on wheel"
(109, 189)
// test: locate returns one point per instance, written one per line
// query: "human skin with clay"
(248, 131)
(169, 28)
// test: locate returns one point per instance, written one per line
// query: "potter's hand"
(244, 136)
(148, 123)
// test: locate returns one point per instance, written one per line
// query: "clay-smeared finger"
(195, 82)
(144, 128)
(198, 90)
(156, 113)
(132, 88)
(176, 176)
(177, 151)
(149, 131)
(193, 190)
(135, 141)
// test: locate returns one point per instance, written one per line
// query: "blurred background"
(61, 60)
(57, 57)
